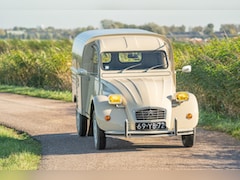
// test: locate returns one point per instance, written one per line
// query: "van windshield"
(134, 60)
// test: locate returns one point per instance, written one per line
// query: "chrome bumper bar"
(128, 133)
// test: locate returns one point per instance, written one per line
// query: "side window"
(90, 59)
(95, 61)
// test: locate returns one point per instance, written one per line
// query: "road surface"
(52, 122)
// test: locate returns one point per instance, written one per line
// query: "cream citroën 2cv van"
(124, 84)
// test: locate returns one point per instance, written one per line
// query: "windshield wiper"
(154, 67)
(130, 67)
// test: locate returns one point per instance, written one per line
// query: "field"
(215, 77)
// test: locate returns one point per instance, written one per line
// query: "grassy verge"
(58, 95)
(219, 122)
(18, 151)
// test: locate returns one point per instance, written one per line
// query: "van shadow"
(71, 143)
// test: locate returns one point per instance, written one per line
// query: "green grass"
(219, 122)
(18, 151)
(34, 92)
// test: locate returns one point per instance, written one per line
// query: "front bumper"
(157, 133)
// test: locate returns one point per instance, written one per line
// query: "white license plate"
(151, 125)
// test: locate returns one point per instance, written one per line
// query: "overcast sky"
(79, 13)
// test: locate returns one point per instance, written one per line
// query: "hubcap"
(78, 122)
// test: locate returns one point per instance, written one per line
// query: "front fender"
(179, 113)
(103, 108)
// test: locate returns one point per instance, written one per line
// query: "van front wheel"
(81, 123)
(98, 134)
(189, 140)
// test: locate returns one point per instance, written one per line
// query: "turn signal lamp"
(107, 117)
(115, 99)
(189, 116)
(182, 96)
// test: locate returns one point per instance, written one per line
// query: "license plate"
(151, 126)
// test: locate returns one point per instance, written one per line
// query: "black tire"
(99, 135)
(189, 140)
(90, 129)
(81, 124)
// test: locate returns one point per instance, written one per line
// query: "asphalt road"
(53, 124)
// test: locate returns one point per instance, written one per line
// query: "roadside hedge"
(41, 64)
(215, 76)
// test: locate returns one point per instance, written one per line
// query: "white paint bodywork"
(139, 88)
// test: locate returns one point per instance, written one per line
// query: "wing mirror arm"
(80, 71)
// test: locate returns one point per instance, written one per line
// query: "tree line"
(55, 33)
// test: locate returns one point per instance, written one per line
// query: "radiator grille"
(151, 114)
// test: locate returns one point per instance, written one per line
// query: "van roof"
(103, 32)
(83, 38)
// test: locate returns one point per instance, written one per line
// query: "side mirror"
(187, 69)
(80, 71)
